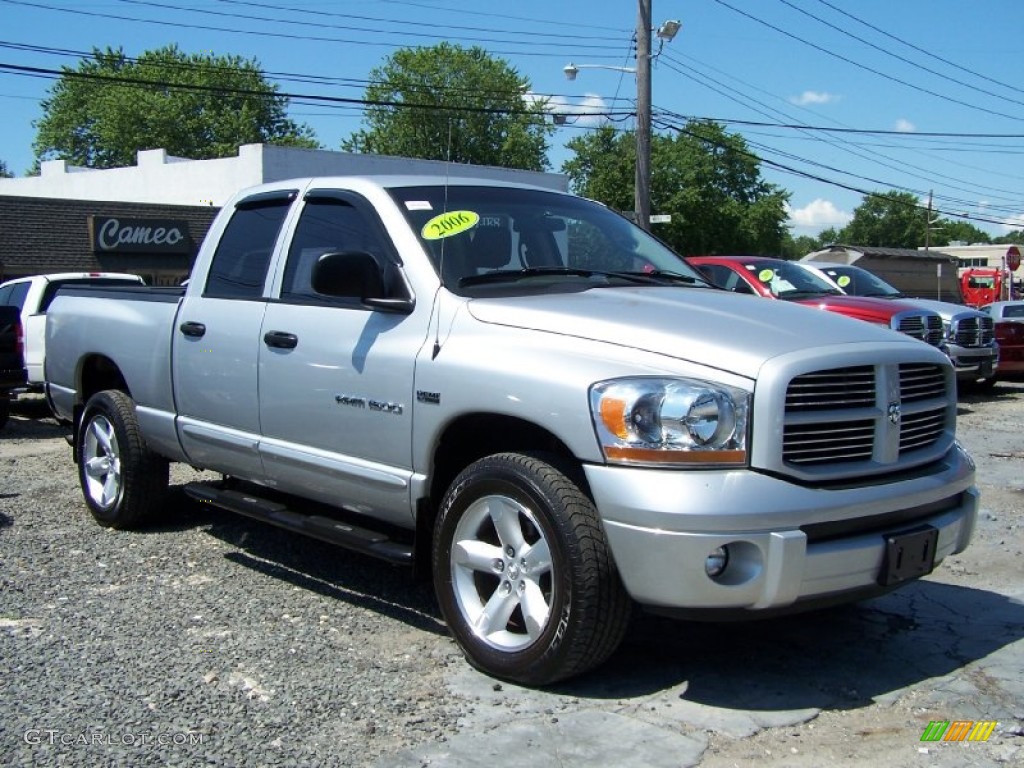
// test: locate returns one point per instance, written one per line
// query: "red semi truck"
(981, 286)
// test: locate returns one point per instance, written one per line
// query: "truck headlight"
(670, 421)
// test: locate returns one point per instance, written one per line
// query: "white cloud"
(588, 112)
(813, 97)
(905, 126)
(1013, 223)
(818, 215)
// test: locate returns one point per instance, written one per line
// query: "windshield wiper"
(502, 275)
(645, 278)
(660, 274)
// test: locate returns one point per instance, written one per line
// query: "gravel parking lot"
(211, 639)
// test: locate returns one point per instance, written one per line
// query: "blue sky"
(840, 97)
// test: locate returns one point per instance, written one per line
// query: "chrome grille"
(837, 416)
(974, 331)
(838, 388)
(919, 430)
(921, 382)
(925, 327)
(829, 442)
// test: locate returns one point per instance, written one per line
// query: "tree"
(452, 103)
(1016, 237)
(948, 230)
(887, 219)
(705, 178)
(4, 173)
(201, 106)
(829, 237)
(797, 247)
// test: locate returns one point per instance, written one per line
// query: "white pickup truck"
(529, 397)
(33, 295)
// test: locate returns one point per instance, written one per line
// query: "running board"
(346, 535)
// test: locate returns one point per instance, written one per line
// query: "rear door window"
(242, 258)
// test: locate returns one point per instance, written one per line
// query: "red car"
(780, 279)
(1009, 327)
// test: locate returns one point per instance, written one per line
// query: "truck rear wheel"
(523, 573)
(122, 480)
(5, 411)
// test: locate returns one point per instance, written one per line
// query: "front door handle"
(194, 330)
(280, 339)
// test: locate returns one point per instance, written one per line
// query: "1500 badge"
(373, 405)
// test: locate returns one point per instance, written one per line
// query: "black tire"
(123, 482)
(559, 615)
(5, 411)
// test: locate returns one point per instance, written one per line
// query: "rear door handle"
(280, 339)
(195, 330)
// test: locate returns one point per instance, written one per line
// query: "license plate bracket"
(908, 555)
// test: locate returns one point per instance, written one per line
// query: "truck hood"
(861, 307)
(709, 327)
(944, 308)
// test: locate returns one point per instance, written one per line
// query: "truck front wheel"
(122, 480)
(523, 573)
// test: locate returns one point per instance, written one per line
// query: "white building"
(166, 180)
(976, 255)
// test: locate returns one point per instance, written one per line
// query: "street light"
(571, 70)
(665, 33)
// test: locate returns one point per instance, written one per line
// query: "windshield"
(789, 281)
(479, 237)
(859, 282)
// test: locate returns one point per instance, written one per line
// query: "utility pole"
(642, 192)
(928, 223)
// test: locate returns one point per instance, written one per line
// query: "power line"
(463, 10)
(559, 36)
(918, 48)
(823, 135)
(139, 83)
(889, 53)
(831, 182)
(558, 51)
(866, 68)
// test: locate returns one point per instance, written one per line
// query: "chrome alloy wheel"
(101, 459)
(502, 573)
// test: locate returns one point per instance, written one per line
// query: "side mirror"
(355, 274)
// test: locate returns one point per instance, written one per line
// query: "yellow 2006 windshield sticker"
(448, 224)
(843, 281)
(766, 275)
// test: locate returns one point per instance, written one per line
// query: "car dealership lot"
(214, 638)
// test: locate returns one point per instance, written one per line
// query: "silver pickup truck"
(527, 396)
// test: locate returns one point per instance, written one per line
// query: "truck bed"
(132, 325)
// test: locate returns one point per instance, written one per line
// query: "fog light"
(716, 562)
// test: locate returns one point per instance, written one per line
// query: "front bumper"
(788, 543)
(973, 362)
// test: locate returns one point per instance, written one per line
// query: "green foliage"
(4, 173)
(704, 177)
(887, 219)
(452, 103)
(828, 237)
(948, 230)
(101, 113)
(797, 247)
(1016, 237)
